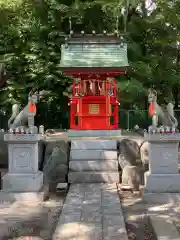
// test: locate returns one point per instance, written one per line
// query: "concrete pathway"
(91, 211)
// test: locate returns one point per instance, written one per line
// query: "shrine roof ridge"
(97, 40)
(85, 72)
(101, 38)
(93, 33)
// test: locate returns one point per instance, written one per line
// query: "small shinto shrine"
(94, 61)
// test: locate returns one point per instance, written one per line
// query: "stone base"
(22, 182)
(93, 133)
(159, 198)
(161, 183)
(40, 196)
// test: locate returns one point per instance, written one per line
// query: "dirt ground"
(135, 215)
(30, 220)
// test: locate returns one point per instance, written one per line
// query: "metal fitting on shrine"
(82, 32)
(66, 43)
(122, 41)
(104, 32)
(94, 32)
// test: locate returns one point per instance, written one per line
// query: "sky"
(150, 5)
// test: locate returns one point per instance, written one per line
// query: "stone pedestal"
(23, 175)
(163, 175)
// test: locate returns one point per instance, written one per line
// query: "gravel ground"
(137, 222)
(32, 220)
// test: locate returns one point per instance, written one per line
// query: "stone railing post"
(163, 174)
(23, 174)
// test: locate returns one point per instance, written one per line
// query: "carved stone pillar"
(163, 174)
(23, 174)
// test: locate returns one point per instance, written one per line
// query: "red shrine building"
(94, 61)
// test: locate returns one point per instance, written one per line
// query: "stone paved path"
(91, 212)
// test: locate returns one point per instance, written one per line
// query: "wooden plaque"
(93, 108)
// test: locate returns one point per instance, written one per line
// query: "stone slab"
(93, 177)
(24, 138)
(163, 158)
(83, 221)
(163, 228)
(162, 183)
(98, 165)
(170, 137)
(93, 133)
(23, 182)
(61, 186)
(93, 155)
(94, 144)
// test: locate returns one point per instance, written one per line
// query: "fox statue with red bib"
(166, 118)
(24, 118)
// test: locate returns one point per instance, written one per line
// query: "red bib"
(151, 109)
(32, 108)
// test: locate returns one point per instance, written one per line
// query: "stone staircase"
(93, 161)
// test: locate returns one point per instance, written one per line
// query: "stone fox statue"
(166, 118)
(20, 118)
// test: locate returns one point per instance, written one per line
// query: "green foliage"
(31, 37)
(31, 52)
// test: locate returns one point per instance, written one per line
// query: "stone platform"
(93, 133)
(91, 212)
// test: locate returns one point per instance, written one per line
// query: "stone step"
(97, 165)
(164, 228)
(93, 177)
(94, 144)
(93, 155)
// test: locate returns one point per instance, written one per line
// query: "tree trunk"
(175, 93)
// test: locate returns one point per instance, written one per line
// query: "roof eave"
(115, 71)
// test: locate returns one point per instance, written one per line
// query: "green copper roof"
(99, 55)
